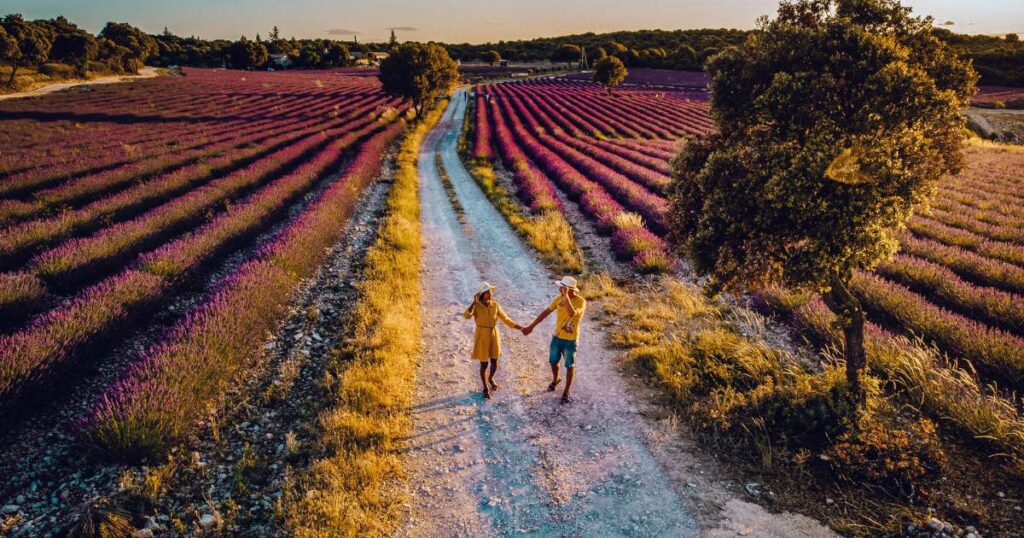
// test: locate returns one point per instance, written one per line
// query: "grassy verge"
(784, 424)
(351, 490)
(547, 232)
(449, 189)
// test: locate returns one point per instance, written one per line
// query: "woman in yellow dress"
(486, 312)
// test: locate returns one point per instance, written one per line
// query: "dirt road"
(145, 72)
(521, 463)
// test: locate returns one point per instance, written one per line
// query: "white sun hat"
(568, 282)
(486, 286)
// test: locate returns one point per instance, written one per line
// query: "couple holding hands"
(486, 312)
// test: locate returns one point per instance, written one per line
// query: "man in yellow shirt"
(569, 306)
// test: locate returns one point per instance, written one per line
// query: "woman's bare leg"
(483, 379)
(490, 378)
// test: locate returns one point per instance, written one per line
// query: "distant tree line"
(675, 49)
(59, 47)
(254, 53)
(999, 60)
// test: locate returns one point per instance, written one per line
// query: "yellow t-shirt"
(566, 327)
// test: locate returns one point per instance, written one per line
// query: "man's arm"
(540, 317)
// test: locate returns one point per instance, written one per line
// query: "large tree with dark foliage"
(27, 44)
(490, 57)
(418, 72)
(135, 46)
(336, 55)
(835, 122)
(609, 72)
(567, 54)
(71, 45)
(246, 54)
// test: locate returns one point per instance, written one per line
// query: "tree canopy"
(567, 54)
(835, 122)
(419, 72)
(135, 46)
(245, 54)
(26, 44)
(609, 72)
(490, 56)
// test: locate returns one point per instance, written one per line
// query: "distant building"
(280, 60)
(367, 58)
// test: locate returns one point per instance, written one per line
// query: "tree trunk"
(851, 315)
(14, 70)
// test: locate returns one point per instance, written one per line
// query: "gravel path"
(145, 72)
(522, 463)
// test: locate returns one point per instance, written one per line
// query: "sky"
(457, 21)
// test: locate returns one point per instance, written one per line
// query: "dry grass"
(548, 233)
(790, 425)
(353, 490)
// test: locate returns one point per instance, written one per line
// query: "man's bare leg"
(483, 379)
(490, 378)
(554, 377)
(569, 373)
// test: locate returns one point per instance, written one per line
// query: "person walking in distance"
(569, 307)
(486, 312)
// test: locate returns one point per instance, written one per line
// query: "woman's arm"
(469, 311)
(507, 320)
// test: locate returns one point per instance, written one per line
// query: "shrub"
(56, 70)
(892, 453)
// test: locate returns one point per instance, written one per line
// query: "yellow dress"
(486, 340)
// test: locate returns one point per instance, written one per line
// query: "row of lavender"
(104, 265)
(86, 240)
(540, 131)
(158, 399)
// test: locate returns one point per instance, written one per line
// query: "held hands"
(526, 330)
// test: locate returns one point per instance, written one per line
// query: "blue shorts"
(563, 348)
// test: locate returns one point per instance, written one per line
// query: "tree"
(337, 55)
(1012, 38)
(490, 57)
(686, 58)
(567, 53)
(112, 55)
(245, 54)
(393, 41)
(609, 72)
(418, 72)
(275, 34)
(310, 56)
(26, 44)
(69, 44)
(599, 55)
(8, 48)
(835, 122)
(76, 49)
(139, 45)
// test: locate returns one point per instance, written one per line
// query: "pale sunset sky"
(457, 21)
